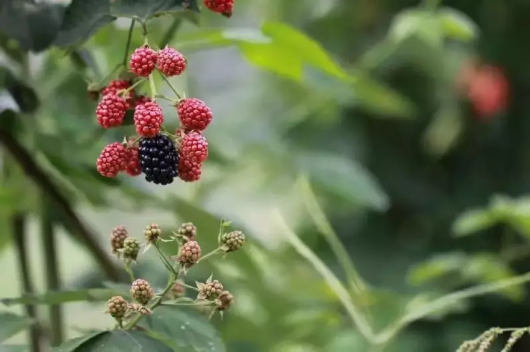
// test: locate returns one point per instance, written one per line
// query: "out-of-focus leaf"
(473, 221)
(25, 96)
(14, 348)
(121, 340)
(183, 329)
(33, 26)
(347, 341)
(486, 268)
(90, 295)
(74, 344)
(457, 25)
(443, 131)
(81, 19)
(344, 178)
(10, 324)
(421, 24)
(146, 9)
(436, 267)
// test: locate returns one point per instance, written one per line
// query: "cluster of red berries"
(224, 7)
(157, 154)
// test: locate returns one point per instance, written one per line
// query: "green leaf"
(83, 18)
(486, 268)
(121, 340)
(473, 221)
(344, 178)
(10, 324)
(146, 9)
(58, 297)
(443, 131)
(33, 26)
(421, 24)
(73, 344)
(24, 95)
(14, 348)
(457, 25)
(184, 328)
(436, 267)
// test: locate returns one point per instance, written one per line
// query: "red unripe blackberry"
(194, 114)
(112, 160)
(189, 254)
(189, 170)
(120, 84)
(111, 111)
(148, 118)
(118, 235)
(141, 100)
(143, 61)
(133, 162)
(224, 7)
(210, 290)
(171, 62)
(194, 147)
(117, 307)
(141, 291)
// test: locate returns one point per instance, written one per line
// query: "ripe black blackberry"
(158, 159)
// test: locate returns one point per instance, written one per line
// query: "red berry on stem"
(194, 147)
(120, 84)
(194, 114)
(133, 167)
(143, 61)
(112, 160)
(224, 7)
(188, 170)
(171, 62)
(141, 99)
(111, 111)
(148, 118)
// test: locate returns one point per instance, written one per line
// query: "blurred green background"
(407, 120)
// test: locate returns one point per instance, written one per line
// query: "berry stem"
(125, 91)
(104, 80)
(166, 262)
(129, 271)
(212, 253)
(167, 98)
(172, 278)
(175, 91)
(127, 46)
(152, 87)
(189, 286)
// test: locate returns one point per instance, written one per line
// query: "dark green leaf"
(10, 324)
(24, 95)
(82, 19)
(146, 9)
(121, 340)
(184, 328)
(90, 295)
(344, 178)
(73, 344)
(10, 120)
(33, 26)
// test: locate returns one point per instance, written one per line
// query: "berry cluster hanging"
(159, 155)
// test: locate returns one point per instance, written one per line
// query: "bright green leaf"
(10, 324)
(146, 9)
(184, 329)
(443, 131)
(457, 25)
(90, 295)
(345, 178)
(436, 267)
(421, 24)
(121, 340)
(83, 18)
(473, 221)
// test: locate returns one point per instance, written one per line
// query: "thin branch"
(49, 245)
(18, 224)
(128, 45)
(50, 189)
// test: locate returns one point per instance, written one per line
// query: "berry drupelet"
(171, 62)
(158, 159)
